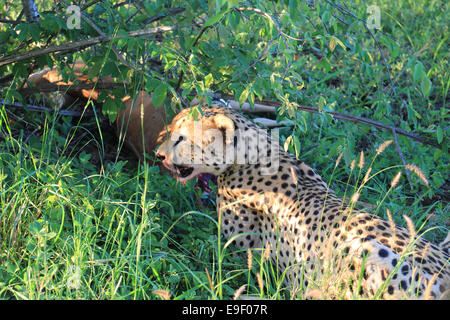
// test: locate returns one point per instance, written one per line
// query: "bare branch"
(13, 22)
(30, 10)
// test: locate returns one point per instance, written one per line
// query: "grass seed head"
(352, 164)
(391, 221)
(418, 172)
(396, 179)
(361, 160)
(355, 197)
(366, 177)
(411, 227)
(238, 292)
(260, 281)
(338, 160)
(427, 294)
(383, 146)
(249, 259)
(164, 294)
(267, 252)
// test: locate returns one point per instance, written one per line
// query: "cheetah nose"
(160, 156)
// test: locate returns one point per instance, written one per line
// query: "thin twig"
(274, 22)
(87, 5)
(63, 112)
(281, 32)
(102, 34)
(180, 77)
(386, 64)
(159, 16)
(13, 22)
(400, 153)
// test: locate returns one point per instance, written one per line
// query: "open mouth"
(183, 172)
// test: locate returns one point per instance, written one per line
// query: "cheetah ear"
(226, 126)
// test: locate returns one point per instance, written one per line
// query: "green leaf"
(23, 32)
(209, 80)
(296, 146)
(109, 109)
(35, 31)
(243, 97)
(425, 86)
(439, 134)
(332, 43)
(159, 95)
(233, 19)
(419, 72)
(287, 143)
(214, 19)
(4, 36)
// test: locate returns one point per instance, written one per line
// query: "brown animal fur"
(128, 123)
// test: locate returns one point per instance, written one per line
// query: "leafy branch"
(86, 43)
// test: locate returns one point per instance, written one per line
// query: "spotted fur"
(311, 233)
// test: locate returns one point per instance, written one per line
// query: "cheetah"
(273, 200)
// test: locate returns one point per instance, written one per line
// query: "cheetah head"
(195, 147)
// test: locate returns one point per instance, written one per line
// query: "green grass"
(78, 221)
(70, 230)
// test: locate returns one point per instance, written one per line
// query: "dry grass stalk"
(209, 280)
(164, 294)
(293, 176)
(418, 172)
(260, 281)
(338, 160)
(383, 146)
(390, 219)
(249, 259)
(361, 160)
(396, 179)
(267, 252)
(238, 292)
(355, 197)
(411, 227)
(366, 177)
(352, 164)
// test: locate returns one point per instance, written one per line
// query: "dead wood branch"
(269, 106)
(72, 87)
(31, 107)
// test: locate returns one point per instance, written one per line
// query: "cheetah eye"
(180, 138)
